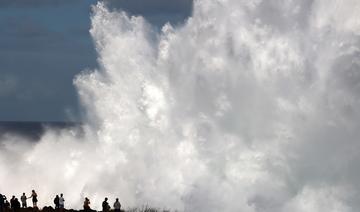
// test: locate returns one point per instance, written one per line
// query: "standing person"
(117, 205)
(2, 202)
(34, 198)
(12, 202)
(56, 201)
(16, 205)
(7, 204)
(105, 205)
(86, 204)
(23, 200)
(61, 201)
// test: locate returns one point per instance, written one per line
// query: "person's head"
(57, 195)
(86, 198)
(61, 195)
(106, 198)
(33, 191)
(117, 199)
(23, 193)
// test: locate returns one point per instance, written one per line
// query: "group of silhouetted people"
(59, 202)
(106, 207)
(15, 204)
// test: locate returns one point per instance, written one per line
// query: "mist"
(247, 106)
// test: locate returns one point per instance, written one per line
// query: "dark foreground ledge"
(49, 209)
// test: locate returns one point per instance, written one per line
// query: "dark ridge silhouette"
(48, 209)
(32, 131)
(51, 209)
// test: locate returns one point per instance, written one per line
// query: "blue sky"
(44, 44)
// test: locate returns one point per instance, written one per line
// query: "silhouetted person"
(34, 198)
(23, 200)
(61, 201)
(105, 205)
(17, 205)
(7, 204)
(2, 203)
(12, 202)
(117, 205)
(87, 204)
(56, 201)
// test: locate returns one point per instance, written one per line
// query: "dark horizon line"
(33, 130)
